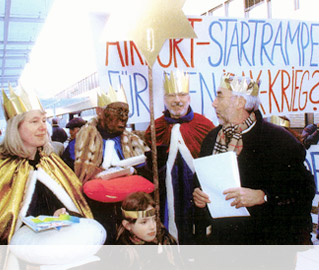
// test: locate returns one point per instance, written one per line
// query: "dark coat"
(310, 135)
(68, 155)
(58, 134)
(272, 160)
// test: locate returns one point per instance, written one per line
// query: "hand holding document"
(217, 173)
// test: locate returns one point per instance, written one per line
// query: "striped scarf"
(229, 138)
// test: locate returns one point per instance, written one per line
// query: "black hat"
(76, 122)
(55, 121)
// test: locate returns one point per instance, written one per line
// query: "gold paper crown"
(242, 85)
(177, 83)
(111, 97)
(277, 120)
(19, 104)
(138, 214)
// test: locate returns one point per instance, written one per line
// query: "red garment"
(116, 189)
(193, 132)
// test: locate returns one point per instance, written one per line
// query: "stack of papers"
(115, 172)
(215, 174)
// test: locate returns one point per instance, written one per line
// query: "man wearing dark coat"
(58, 133)
(276, 187)
(310, 135)
(74, 126)
(179, 134)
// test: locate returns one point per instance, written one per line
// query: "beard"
(174, 109)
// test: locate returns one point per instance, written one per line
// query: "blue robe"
(178, 142)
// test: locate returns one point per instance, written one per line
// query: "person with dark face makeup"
(108, 128)
(100, 144)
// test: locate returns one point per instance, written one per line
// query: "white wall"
(280, 9)
(236, 9)
(283, 9)
(219, 12)
(308, 10)
(259, 11)
(198, 7)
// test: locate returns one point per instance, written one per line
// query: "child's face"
(145, 228)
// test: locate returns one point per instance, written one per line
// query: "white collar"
(248, 129)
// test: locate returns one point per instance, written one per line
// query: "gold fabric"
(89, 150)
(14, 173)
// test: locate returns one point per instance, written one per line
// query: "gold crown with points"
(243, 85)
(178, 82)
(278, 120)
(112, 96)
(19, 104)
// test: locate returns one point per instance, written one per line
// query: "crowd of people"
(276, 188)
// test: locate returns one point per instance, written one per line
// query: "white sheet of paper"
(215, 174)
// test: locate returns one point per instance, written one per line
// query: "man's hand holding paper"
(217, 174)
(200, 198)
(244, 197)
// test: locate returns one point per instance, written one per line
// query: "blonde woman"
(34, 180)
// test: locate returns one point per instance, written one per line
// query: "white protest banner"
(283, 54)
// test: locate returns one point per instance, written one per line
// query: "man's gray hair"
(251, 97)
(252, 102)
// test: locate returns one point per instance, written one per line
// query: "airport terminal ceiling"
(20, 23)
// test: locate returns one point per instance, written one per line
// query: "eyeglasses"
(118, 111)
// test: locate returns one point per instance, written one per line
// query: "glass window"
(250, 3)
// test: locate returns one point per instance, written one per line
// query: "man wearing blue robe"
(179, 134)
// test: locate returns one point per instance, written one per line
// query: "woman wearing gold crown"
(34, 180)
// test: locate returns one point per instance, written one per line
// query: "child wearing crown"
(138, 229)
(139, 222)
